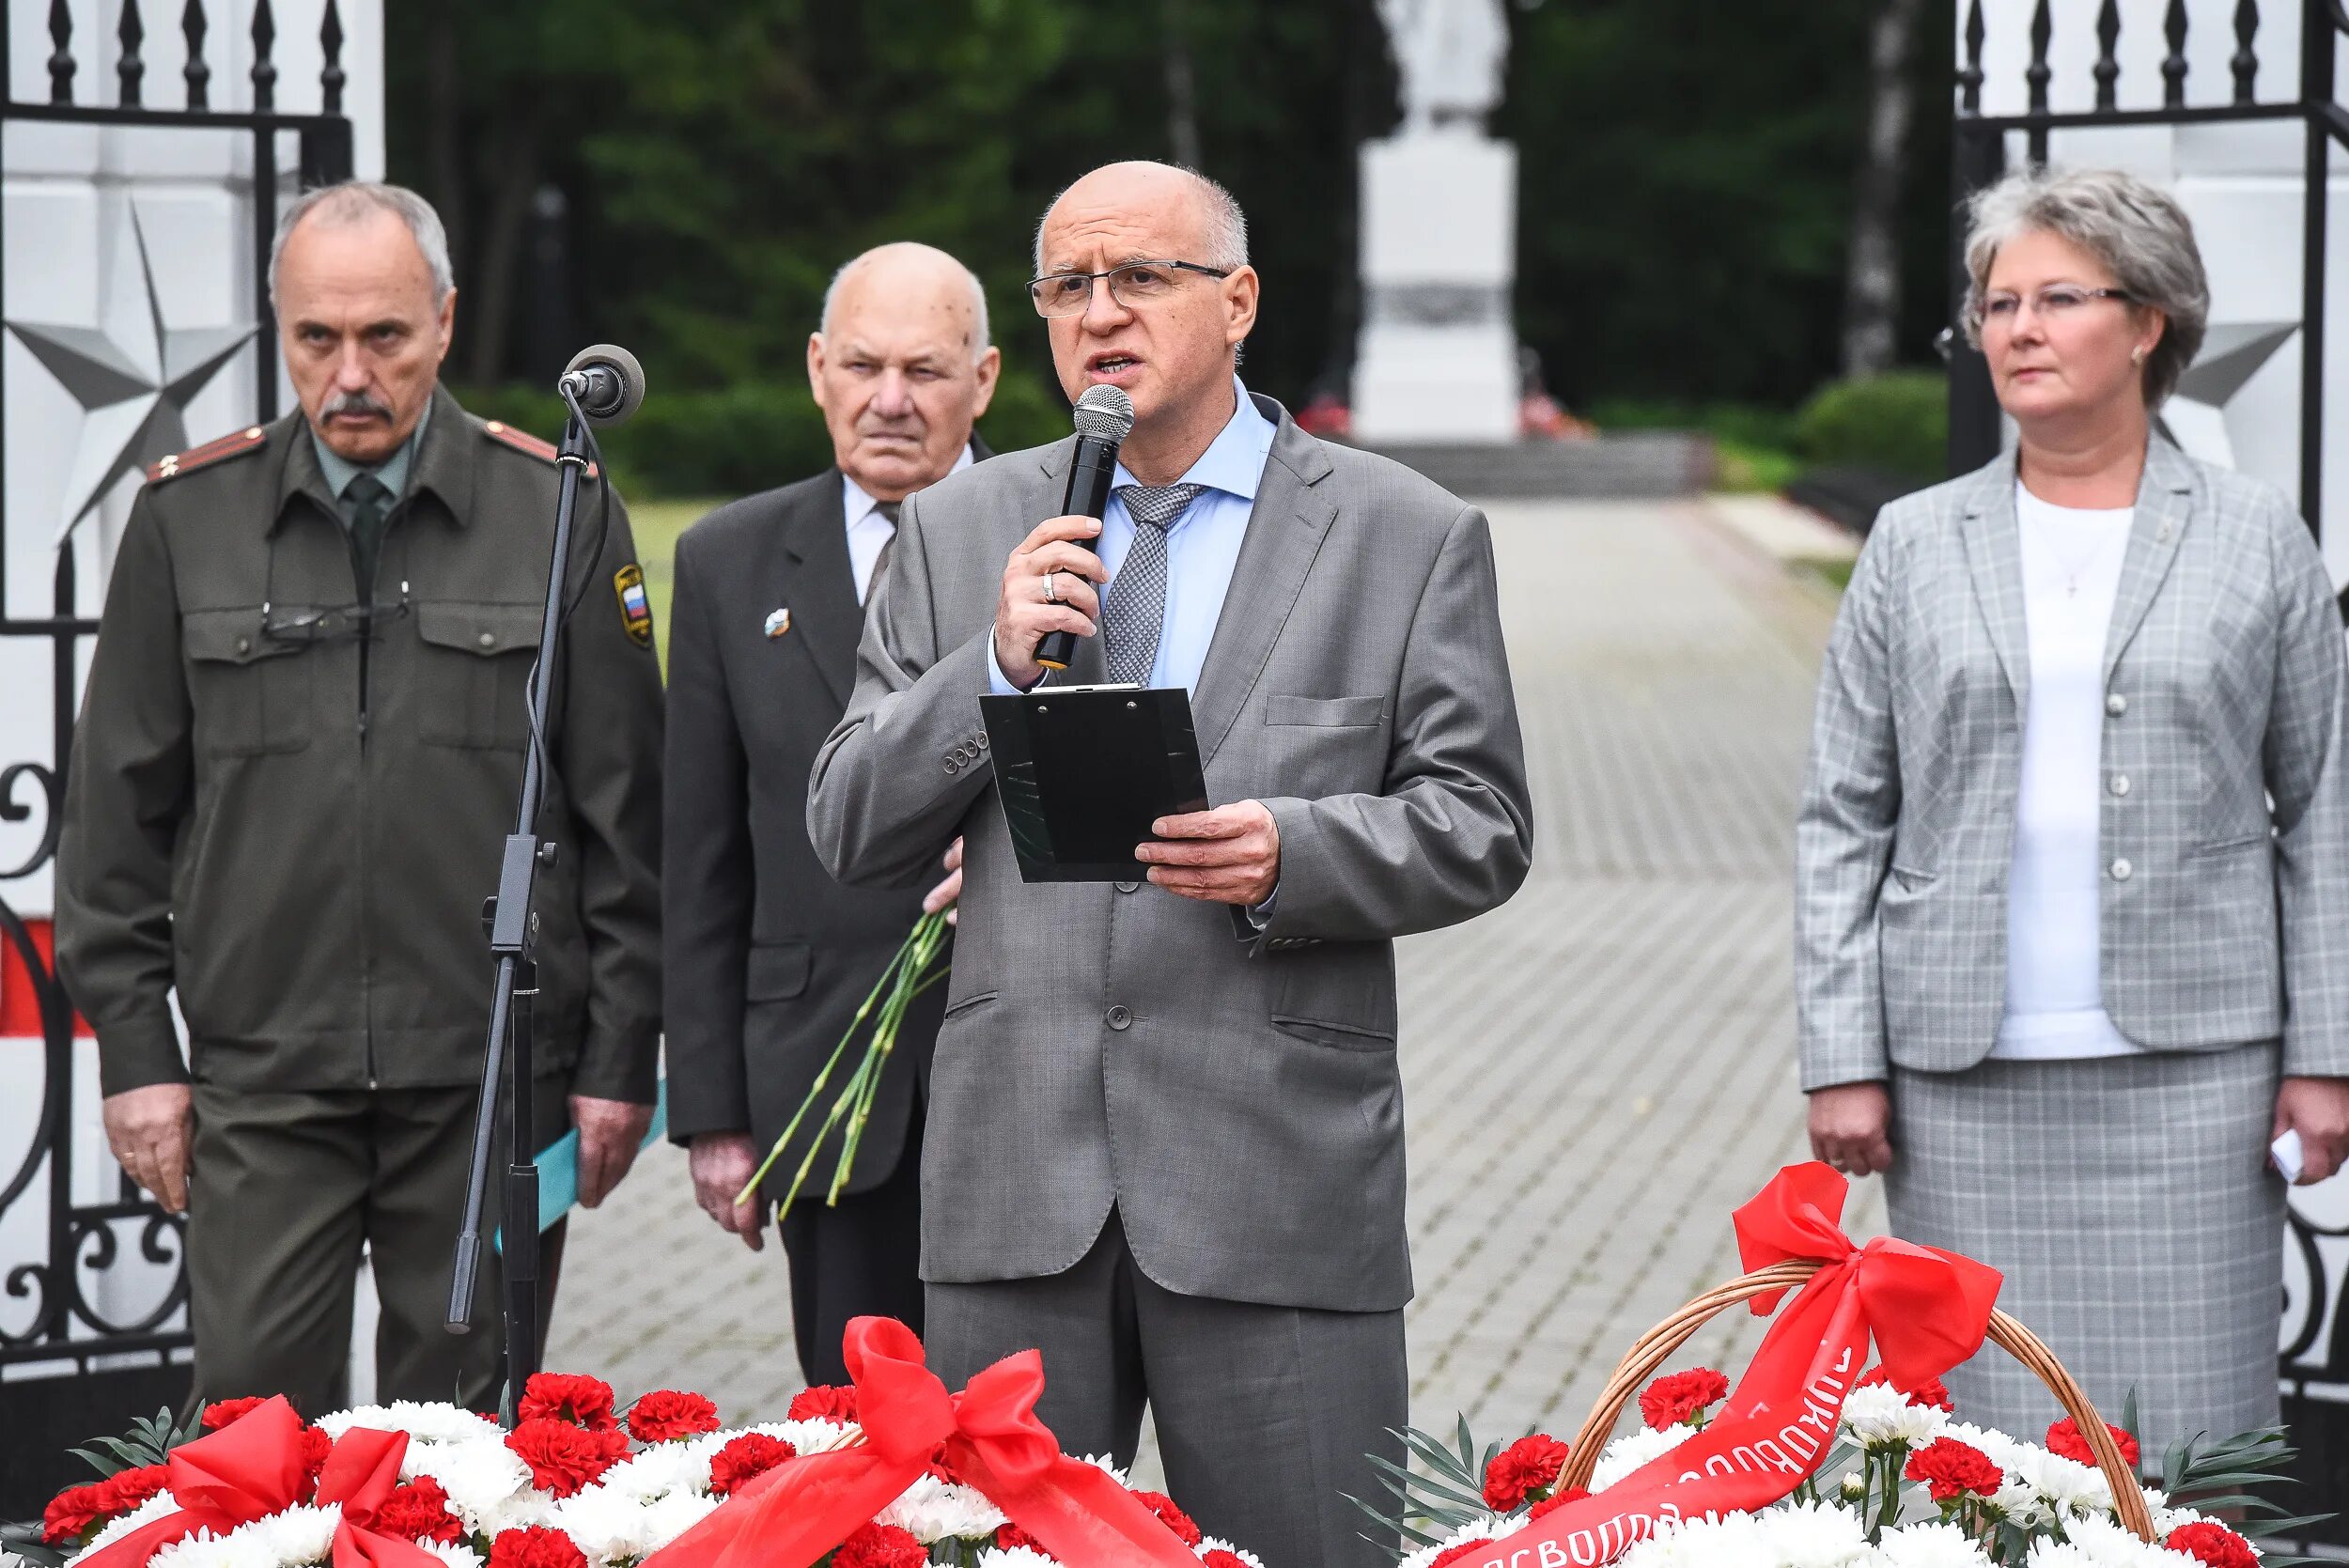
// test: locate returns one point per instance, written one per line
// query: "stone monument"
(1436, 361)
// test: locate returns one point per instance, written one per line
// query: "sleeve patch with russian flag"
(635, 608)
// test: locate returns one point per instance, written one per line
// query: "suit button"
(2116, 705)
(2121, 870)
(2119, 784)
(244, 644)
(489, 639)
(1127, 887)
(953, 766)
(983, 740)
(1118, 1017)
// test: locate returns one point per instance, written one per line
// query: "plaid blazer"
(2224, 821)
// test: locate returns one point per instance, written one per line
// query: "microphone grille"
(1105, 412)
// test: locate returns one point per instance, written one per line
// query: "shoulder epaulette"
(211, 452)
(522, 441)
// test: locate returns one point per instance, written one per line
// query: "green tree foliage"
(1687, 171)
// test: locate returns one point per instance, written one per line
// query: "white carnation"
(454, 1555)
(932, 1511)
(489, 1487)
(2108, 1545)
(1014, 1557)
(1630, 1451)
(1929, 1545)
(673, 1515)
(1492, 1527)
(1735, 1540)
(425, 1423)
(608, 1526)
(659, 1470)
(1879, 1416)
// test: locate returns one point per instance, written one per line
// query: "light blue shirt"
(1202, 545)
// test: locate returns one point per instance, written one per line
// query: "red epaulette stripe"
(248, 440)
(522, 441)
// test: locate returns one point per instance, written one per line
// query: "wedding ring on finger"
(1051, 592)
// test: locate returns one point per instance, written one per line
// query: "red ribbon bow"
(1926, 1307)
(254, 1467)
(792, 1515)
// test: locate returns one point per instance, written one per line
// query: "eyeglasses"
(338, 623)
(1132, 284)
(2055, 301)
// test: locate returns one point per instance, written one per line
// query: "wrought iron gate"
(2314, 1361)
(76, 1370)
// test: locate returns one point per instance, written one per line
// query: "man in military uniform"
(768, 955)
(299, 754)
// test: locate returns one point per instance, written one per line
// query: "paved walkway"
(1595, 1073)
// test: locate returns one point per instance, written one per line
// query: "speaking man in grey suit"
(1166, 1137)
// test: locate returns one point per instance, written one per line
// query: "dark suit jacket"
(771, 954)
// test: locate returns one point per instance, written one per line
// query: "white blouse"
(2071, 561)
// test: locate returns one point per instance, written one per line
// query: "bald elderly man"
(1169, 1142)
(772, 955)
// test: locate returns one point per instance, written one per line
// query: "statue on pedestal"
(1450, 53)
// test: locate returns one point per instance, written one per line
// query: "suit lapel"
(821, 594)
(1286, 529)
(2163, 502)
(1994, 558)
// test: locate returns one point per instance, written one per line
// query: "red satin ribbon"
(790, 1516)
(1926, 1308)
(252, 1467)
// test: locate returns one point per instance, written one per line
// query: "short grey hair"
(2133, 227)
(352, 201)
(980, 340)
(1227, 225)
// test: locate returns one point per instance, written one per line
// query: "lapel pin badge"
(778, 621)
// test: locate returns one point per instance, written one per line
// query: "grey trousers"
(1265, 1415)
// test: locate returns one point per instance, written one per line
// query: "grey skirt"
(2128, 1201)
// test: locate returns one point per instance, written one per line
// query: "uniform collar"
(392, 472)
(1233, 461)
(439, 455)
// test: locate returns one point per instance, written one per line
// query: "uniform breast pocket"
(250, 694)
(473, 671)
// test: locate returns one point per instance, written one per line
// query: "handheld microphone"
(1105, 416)
(608, 382)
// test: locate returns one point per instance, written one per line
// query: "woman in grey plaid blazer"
(2073, 862)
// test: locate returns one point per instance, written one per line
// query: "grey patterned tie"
(881, 562)
(1136, 610)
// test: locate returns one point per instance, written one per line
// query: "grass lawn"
(657, 524)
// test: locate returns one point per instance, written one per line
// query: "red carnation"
(880, 1547)
(1932, 1393)
(2214, 1544)
(1557, 1500)
(565, 1459)
(1671, 1400)
(126, 1490)
(753, 1454)
(1171, 1516)
(1528, 1465)
(1950, 1470)
(316, 1446)
(74, 1513)
(2064, 1440)
(569, 1397)
(666, 1415)
(536, 1547)
(418, 1511)
(823, 1404)
(222, 1411)
(1011, 1537)
(1466, 1548)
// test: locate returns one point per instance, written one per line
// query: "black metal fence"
(74, 1370)
(2314, 1361)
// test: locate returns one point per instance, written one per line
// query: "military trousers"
(286, 1188)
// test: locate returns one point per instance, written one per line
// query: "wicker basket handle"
(1658, 1343)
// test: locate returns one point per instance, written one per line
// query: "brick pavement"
(1595, 1073)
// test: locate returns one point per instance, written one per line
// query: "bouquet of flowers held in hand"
(580, 1482)
(1907, 1486)
(918, 965)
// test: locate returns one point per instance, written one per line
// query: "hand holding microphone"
(1051, 585)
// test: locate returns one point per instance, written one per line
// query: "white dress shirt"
(2055, 1009)
(870, 532)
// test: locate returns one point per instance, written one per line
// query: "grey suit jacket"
(1235, 1099)
(2225, 907)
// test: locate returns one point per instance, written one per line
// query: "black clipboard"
(1083, 770)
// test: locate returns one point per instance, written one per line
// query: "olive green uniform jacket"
(294, 822)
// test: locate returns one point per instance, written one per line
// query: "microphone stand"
(513, 930)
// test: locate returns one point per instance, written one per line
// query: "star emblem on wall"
(2208, 415)
(133, 375)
